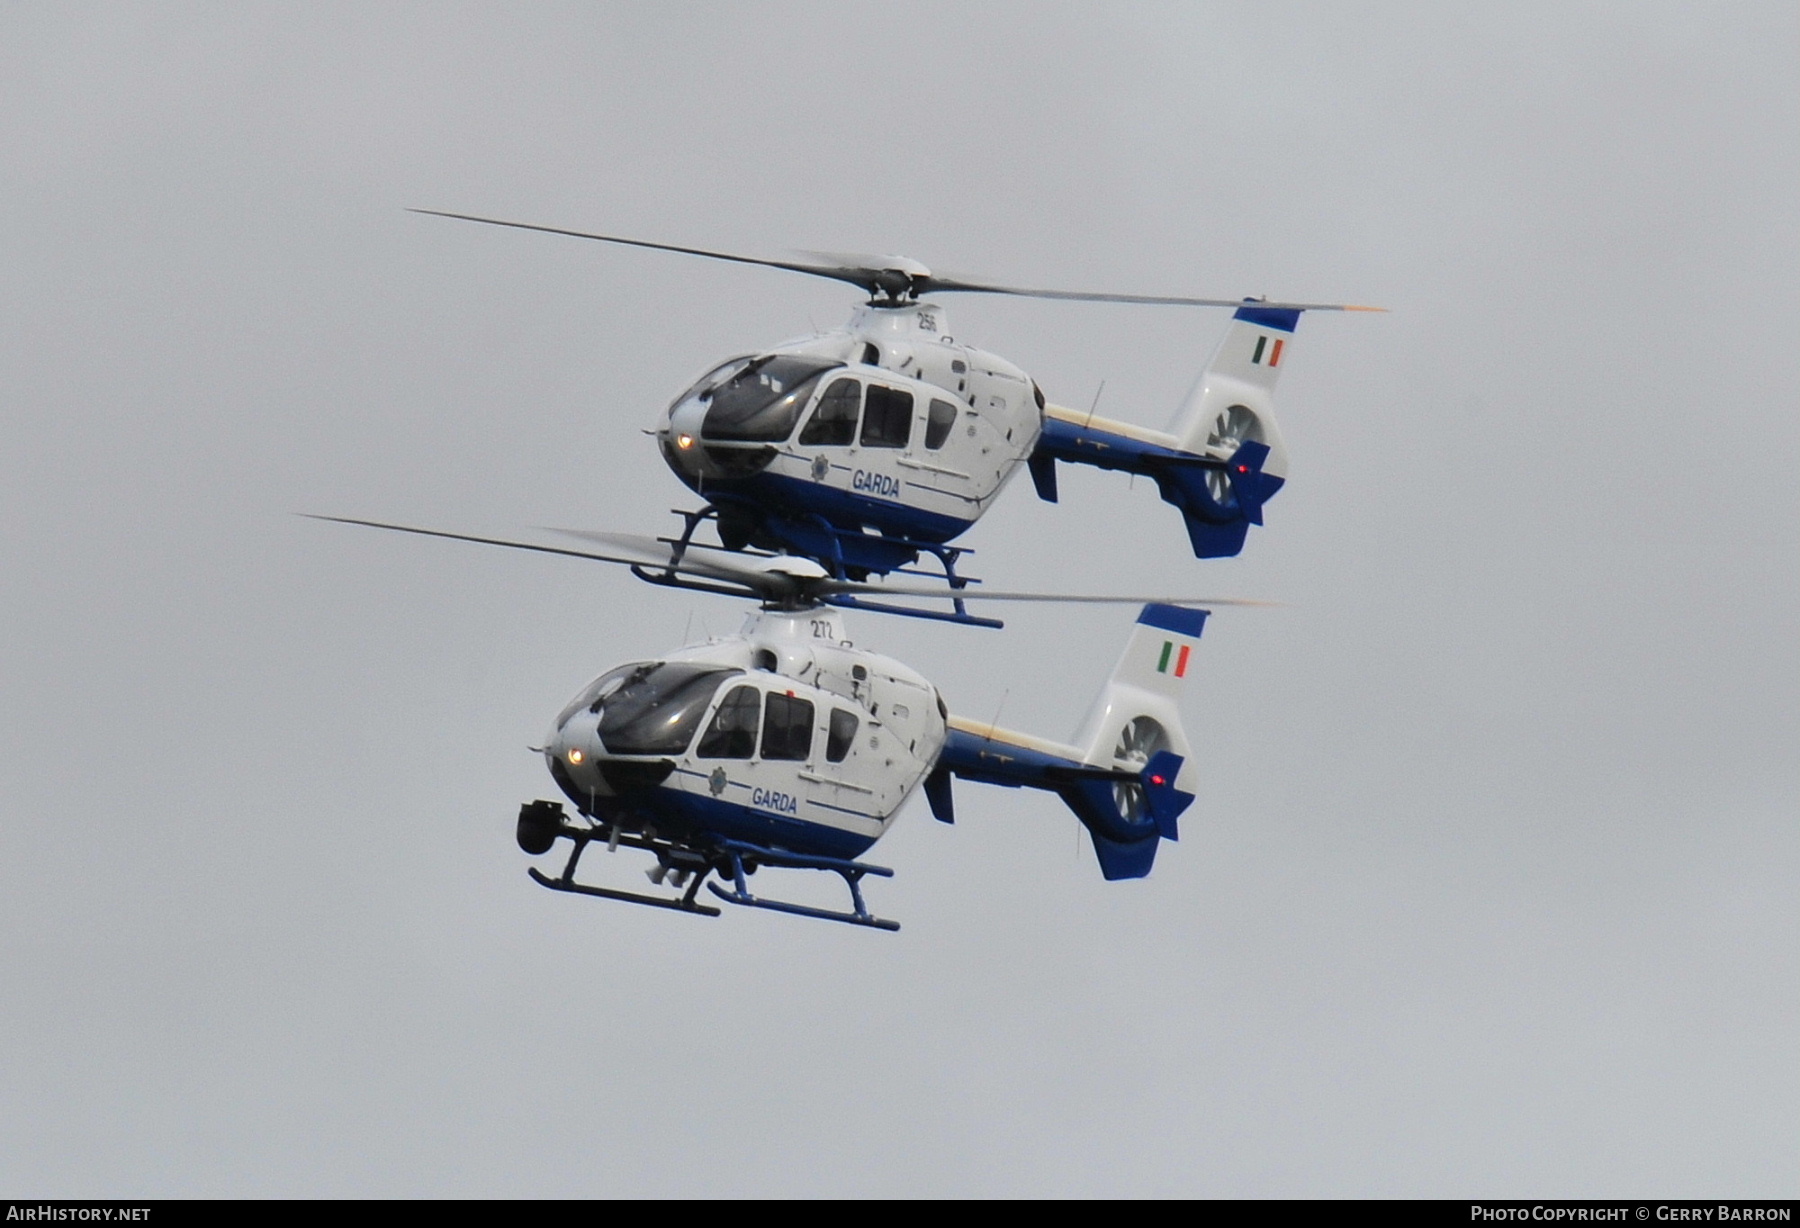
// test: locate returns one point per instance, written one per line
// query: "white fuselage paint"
(805, 655)
(995, 426)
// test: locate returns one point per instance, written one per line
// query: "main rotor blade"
(943, 285)
(845, 588)
(724, 564)
(700, 560)
(768, 580)
(898, 277)
(860, 277)
(629, 552)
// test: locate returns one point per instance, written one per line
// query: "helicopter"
(865, 446)
(788, 746)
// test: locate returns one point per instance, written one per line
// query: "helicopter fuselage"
(786, 735)
(864, 446)
(787, 746)
(856, 446)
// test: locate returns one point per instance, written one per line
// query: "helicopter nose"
(571, 752)
(684, 435)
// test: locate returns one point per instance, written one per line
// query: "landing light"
(575, 755)
(684, 442)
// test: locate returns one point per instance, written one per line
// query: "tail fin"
(1222, 457)
(1229, 416)
(1128, 776)
(1241, 374)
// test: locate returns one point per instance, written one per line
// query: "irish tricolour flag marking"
(1168, 651)
(1266, 354)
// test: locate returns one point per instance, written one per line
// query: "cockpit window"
(594, 692)
(762, 402)
(656, 707)
(703, 387)
(732, 734)
(833, 424)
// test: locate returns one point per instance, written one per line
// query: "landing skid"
(687, 903)
(667, 855)
(540, 823)
(852, 872)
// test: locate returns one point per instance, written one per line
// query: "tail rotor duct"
(1140, 739)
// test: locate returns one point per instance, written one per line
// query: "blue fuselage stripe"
(847, 510)
(736, 821)
(841, 809)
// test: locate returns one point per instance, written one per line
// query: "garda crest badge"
(821, 467)
(716, 782)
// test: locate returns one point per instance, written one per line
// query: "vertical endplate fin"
(1164, 800)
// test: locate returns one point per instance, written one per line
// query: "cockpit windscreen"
(656, 707)
(762, 402)
(596, 691)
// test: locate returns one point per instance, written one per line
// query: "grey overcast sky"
(1492, 887)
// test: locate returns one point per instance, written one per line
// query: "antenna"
(994, 724)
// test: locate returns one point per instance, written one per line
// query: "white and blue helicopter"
(787, 746)
(867, 445)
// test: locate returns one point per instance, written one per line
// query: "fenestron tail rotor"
(1142, 738)
(898, 279)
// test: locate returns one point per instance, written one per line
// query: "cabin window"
(787, 727)
(843, 733)
(937, 427)
(833, 423)
(732, 734)
(887, 418)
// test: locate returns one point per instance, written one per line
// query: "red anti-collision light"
(1156, 780)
